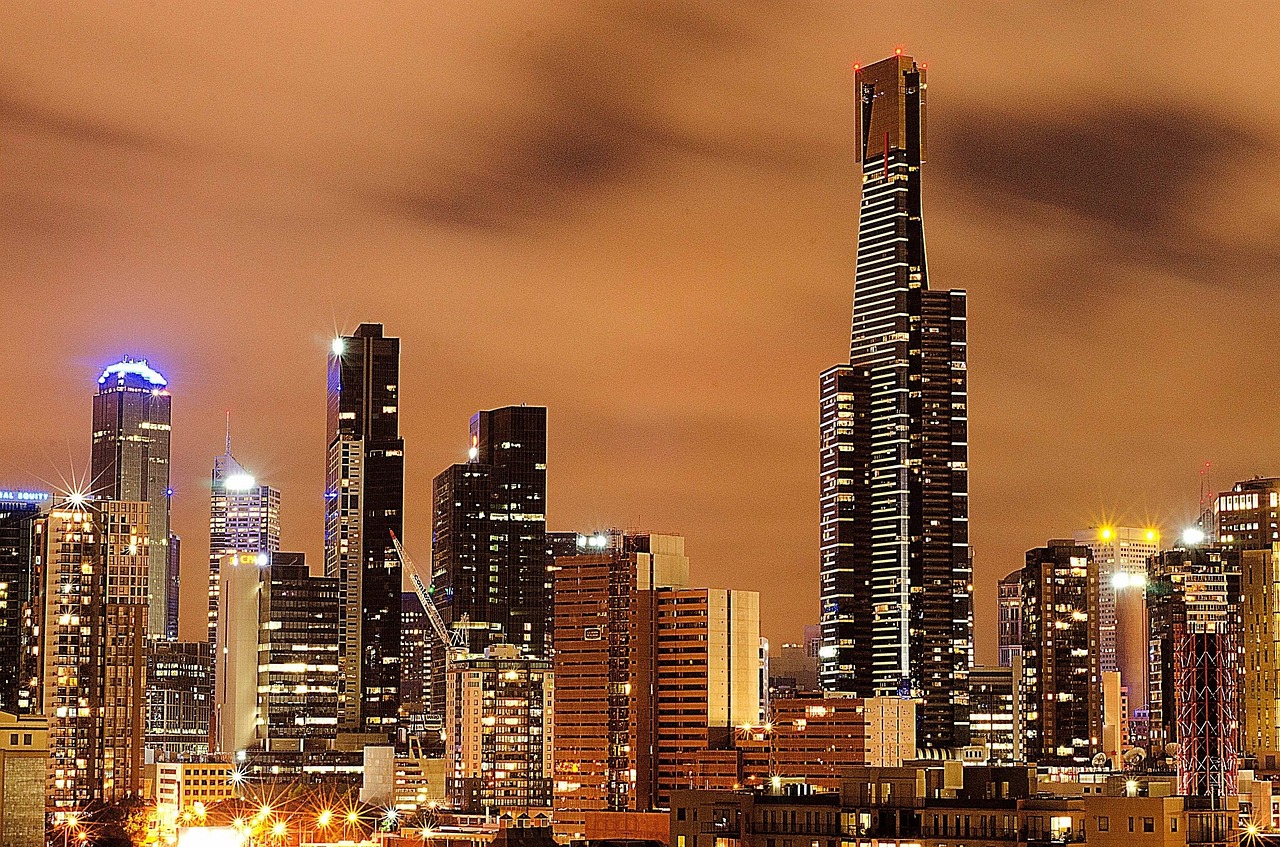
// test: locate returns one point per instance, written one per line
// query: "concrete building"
(244, 520)
(1009, 623)
(499, 731)
(1246, 517)
(24, 758)
(1260, 703)
(1060, 674)
(92, 648)
(130, 462)
(995, 709)
(1121, 554)
(179, 698)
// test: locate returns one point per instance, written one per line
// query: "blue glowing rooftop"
(133, 367)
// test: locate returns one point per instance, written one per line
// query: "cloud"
(1135, 178)
(592, 106)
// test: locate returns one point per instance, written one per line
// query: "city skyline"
(682, 361)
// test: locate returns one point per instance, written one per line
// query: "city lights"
(337, 347)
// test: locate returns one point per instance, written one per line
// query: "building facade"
(904, 489)
(130, 461)
(364, 505)
(24, 758)
(499, 731)
(1260, 703)
(1061, 680)
(173, 587)
(417, 639)
(244, 519)
(92, 647)
(1009, 621)
(1246, 517)
(995, 704)
(19, 512)
(179, 698)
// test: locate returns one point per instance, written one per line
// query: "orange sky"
(642, 216)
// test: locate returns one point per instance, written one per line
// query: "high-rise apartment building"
(417, 639)
(895, 544)
(489, 550)
(1121, 554)
(995, 709)
(649, 673)
(179, 698)
(92, 648)
(1062, 683)
(364, 505)
(276, 655)
(1009, 621)
(499, 731)
(1260, 701)
(19, 511)
(173, 587)
(130, 461)
(244, 519)
(1248, 516)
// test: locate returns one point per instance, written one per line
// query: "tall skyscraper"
(173, 587)
(19, 511)
(179, 697)
(895, 543)
(1061, 683)
(489, 545)
(130, 461)
(244, 519)
(1121, 554)
(1009, 622)
(364, 504)
(92, 633)
(1260, 712)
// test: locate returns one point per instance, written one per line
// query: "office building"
(995, 707)
(417, 640)
(1246, 517)
(173, 587)
(276, 657)
(1121, 555)
(180, 785)
(499, 731)
(179, 698)
(650, 673)
(792, 671)
(894, 513)
(364, 505)
(1260, 701)
(19, 511)
(130, 461)
(1009, 622)
(814, 739)
(244, 520)
(92, 648)
(298, 620)
(24, 758)
(1207, 672)
(489, 556)
(1062, 684)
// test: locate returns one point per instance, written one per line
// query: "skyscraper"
(179, 697)
(489, 546)
(244, 518)
(1009, 622)
(1247, 515)
(1121, 554)
(173, 587)
(895, 543)
(1260, 707)
(93, 608)
(1061, 683)
(19, 511)
(364, 505)
(130, 461)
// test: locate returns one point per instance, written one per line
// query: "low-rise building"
(24, 758)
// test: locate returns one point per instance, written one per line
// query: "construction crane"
(454, 642)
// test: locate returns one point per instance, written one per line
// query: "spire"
(228, 432)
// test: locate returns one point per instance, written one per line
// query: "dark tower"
(896, 572)
(364, 504)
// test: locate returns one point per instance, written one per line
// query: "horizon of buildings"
(582, 671)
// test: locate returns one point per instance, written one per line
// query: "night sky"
(643, 216)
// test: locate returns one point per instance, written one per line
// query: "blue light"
(14, 496)
(168, 492)
(136, 367)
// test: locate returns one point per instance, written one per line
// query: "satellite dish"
(1099, 760)
(1171, 750)
(1137, 754)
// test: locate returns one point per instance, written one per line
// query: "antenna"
(228, 432)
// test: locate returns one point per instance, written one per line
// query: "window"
(1104, 823)
(680, 813)
(1148, 824)
(1131, 824)
(1173, 824)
